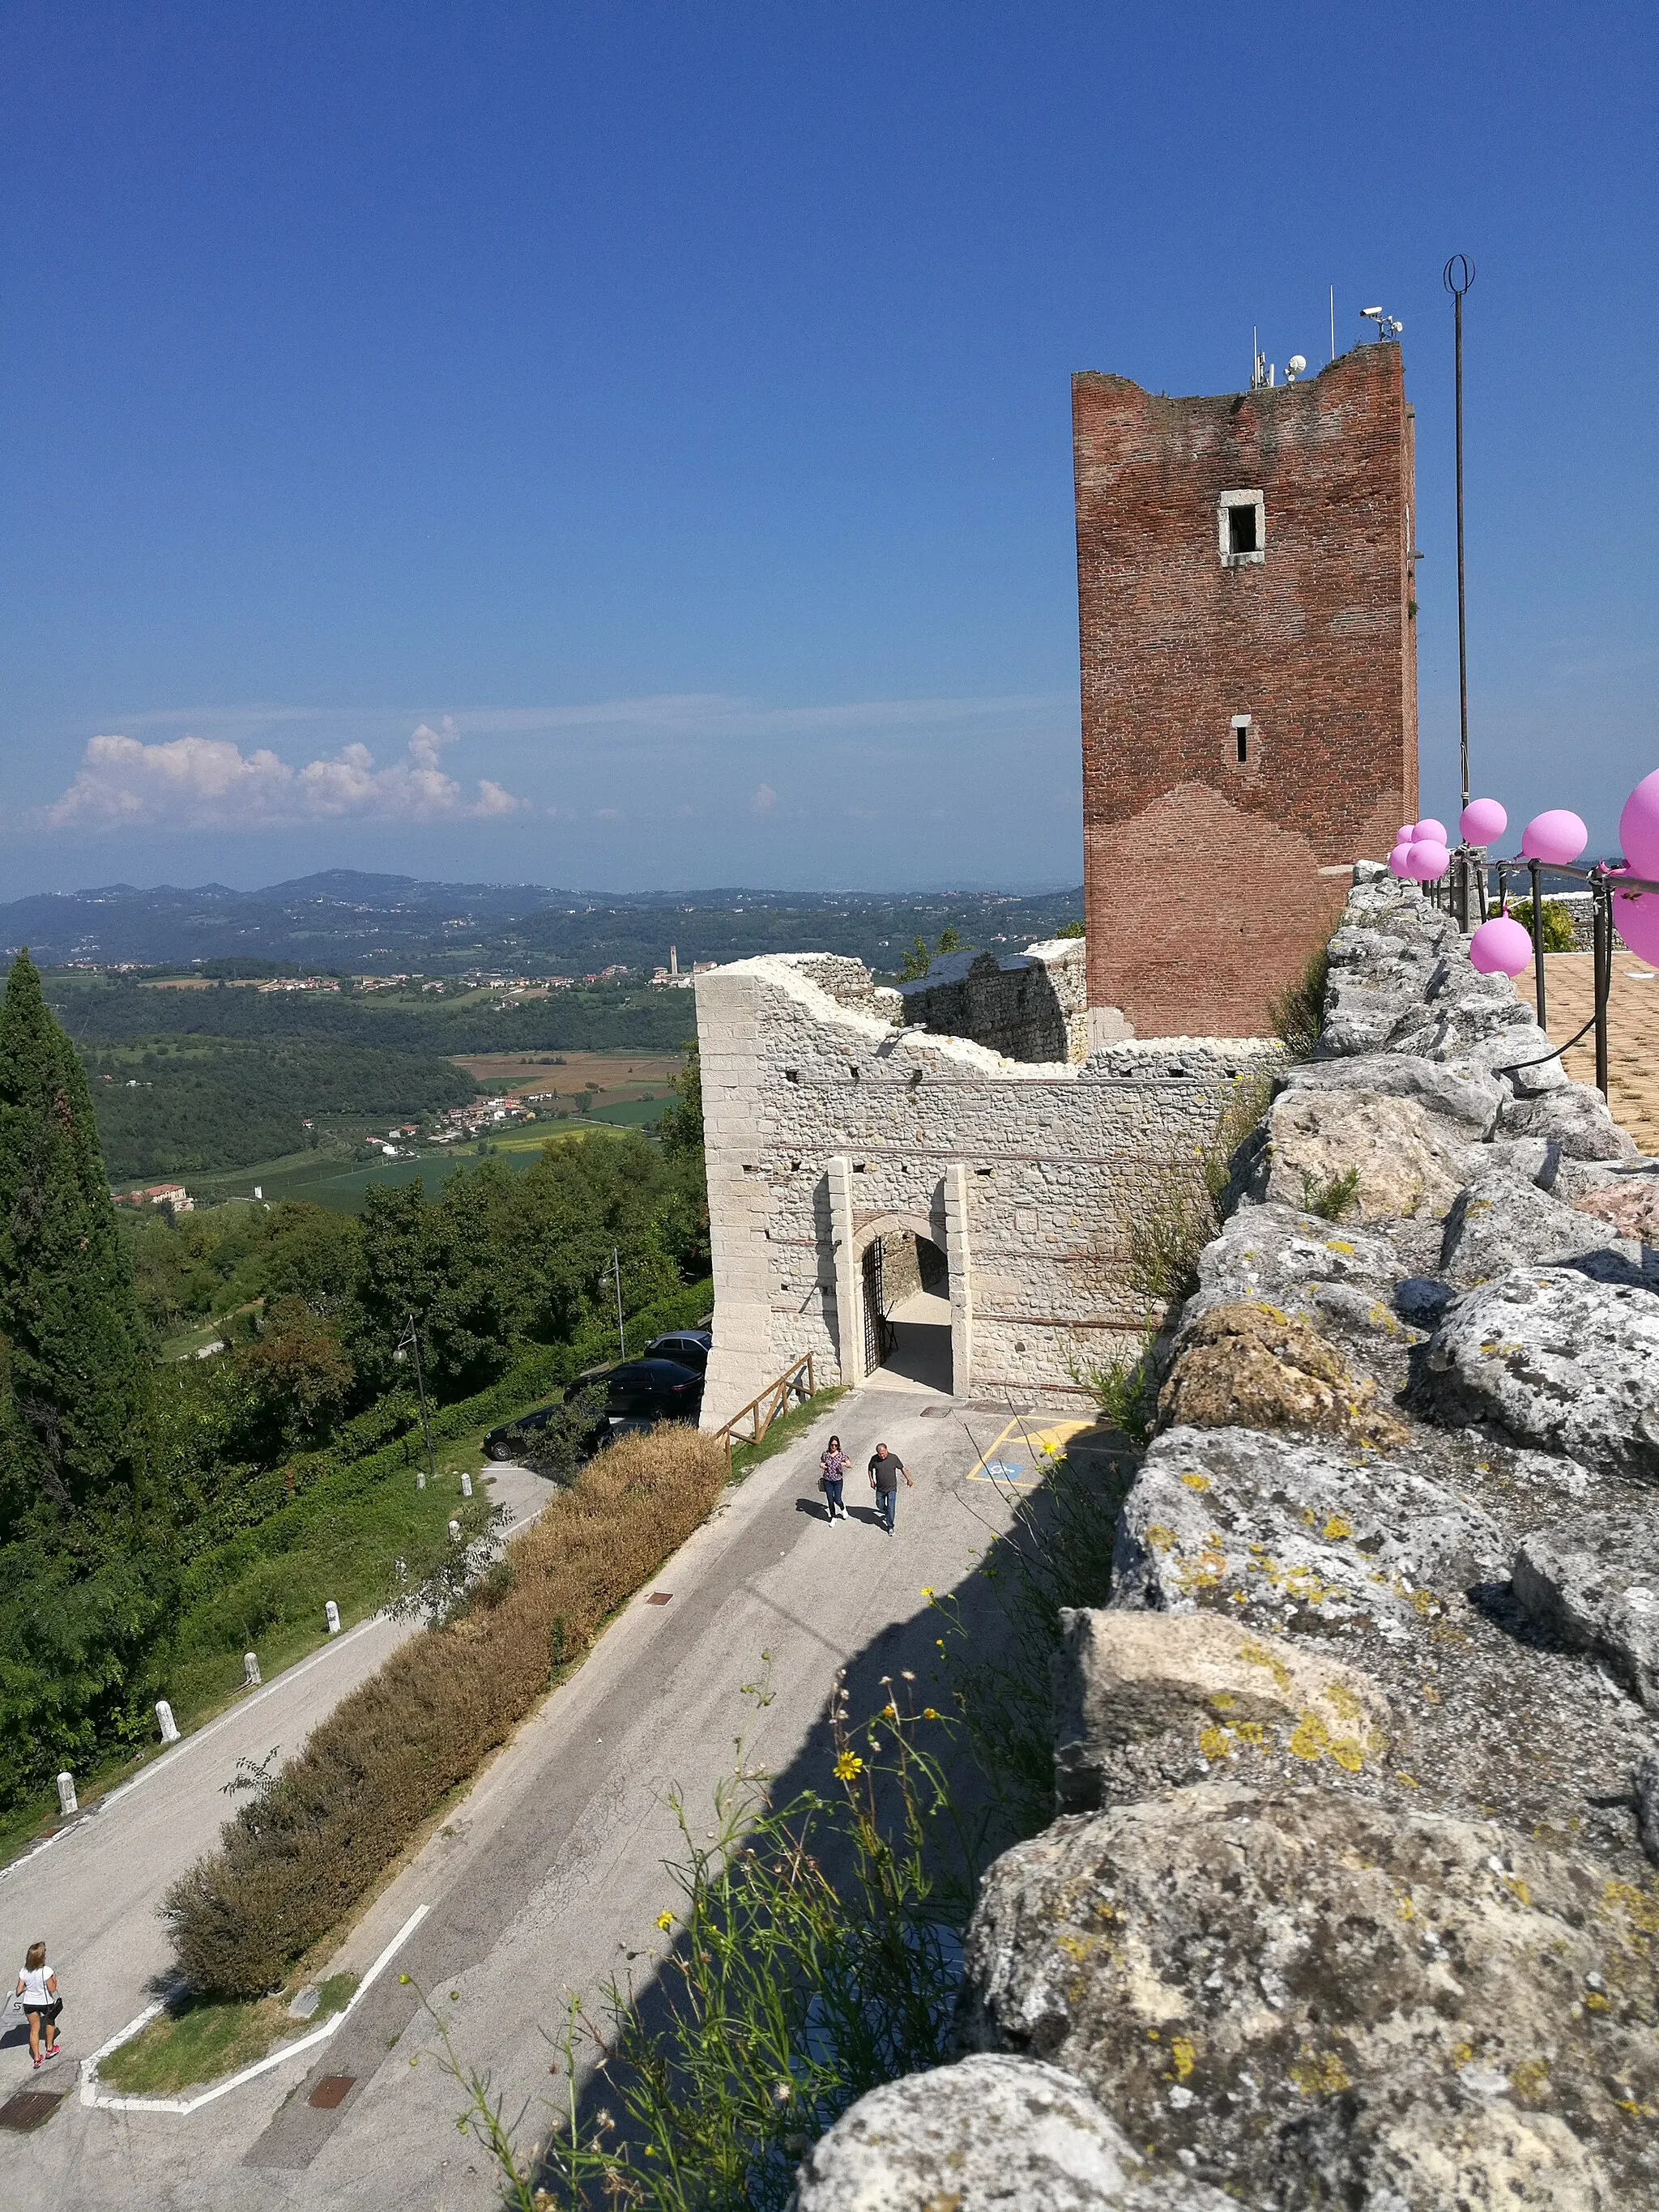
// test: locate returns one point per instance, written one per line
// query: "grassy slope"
(264, 1589)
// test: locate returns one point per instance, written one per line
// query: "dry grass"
(293, 1863)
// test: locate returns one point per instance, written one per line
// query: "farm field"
(615, 1076)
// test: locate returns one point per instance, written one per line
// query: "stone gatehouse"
(832, 1132)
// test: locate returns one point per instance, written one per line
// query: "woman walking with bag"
(37, 1985)
(834, 1463)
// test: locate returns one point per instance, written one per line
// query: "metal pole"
(621, 1333)
(420, 1385)
(1538, 940)
(1601, 939)
(1457, 276)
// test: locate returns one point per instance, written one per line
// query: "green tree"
(681, 1127)
(74, 1364)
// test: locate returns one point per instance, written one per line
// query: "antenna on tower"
(1332, 322)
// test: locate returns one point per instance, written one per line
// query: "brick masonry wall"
(1316, 643)
(825, 1126)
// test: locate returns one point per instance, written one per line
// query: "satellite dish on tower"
(1295, 366)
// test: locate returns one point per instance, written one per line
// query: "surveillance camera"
(1373, 313)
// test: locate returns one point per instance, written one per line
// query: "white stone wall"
(824, 1124)
(1036, 1008)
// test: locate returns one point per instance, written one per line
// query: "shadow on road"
(922, 1662)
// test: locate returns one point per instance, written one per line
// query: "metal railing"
(1471, 868)
(774, 1399)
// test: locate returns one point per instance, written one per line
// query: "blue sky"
(629, 445)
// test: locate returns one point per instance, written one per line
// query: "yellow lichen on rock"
(1248, 1365)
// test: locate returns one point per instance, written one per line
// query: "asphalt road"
(551, 1874)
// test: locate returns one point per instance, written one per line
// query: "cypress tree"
(73, 1363)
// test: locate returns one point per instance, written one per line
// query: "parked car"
(503, 1443)
(653, 1389)
(691, 1346)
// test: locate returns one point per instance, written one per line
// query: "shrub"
(1559, 936)
(1297, 1011)
(296, 1860)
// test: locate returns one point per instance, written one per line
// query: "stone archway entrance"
(905, 1282)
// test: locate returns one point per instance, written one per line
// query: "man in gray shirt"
(886, 1468)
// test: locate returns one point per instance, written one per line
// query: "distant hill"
(352, 922)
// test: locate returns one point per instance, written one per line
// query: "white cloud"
(210, 783)
(765, 799)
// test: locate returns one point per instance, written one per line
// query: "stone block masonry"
(1028, 1005)
(826, 1125)
(1249, 678)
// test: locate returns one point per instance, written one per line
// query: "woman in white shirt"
(37, 1985)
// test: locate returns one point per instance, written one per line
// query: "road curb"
(102, 2101)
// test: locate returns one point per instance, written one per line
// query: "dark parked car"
(653, 1389)
(504, 1442)
(691, 1346)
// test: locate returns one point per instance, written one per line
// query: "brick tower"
(1250, 679)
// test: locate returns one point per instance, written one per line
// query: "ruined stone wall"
(824, 1125)
(1211, 880)
(1032, 1006)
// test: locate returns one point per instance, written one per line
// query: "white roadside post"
(252, 1677)
(455, 1530)
(67, 1800)
(331, 1613)
(466, 1485)
(169, 1726)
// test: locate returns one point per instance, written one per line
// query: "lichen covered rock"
(1501, 1221)
(1574, 1117)
(991, 2134)
(1274, 1528)
(1559, 1361)
(1316, 2000)
(1595, 1583)
(1253, 1366)
(1631, 1205)
(1397, 1163)
(1143, 1702)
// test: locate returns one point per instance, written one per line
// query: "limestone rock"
(1423, 1299)
(1632, 1206)
(1316, 1137)
(1143, 1700)
(1595, 1583)
(1274, 1253)
(1519, 1058)
(1574, 1116)
(1315, 1999)
(1558, 1360)
(1645, 1788)
(1250, 1365)
(1275, 1529)
(1501, 1222)
(992, 2132)
(1468, 1102)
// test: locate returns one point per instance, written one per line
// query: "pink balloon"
(1483, 822)
(1427, 861)
(1557, 838)
(1400, 861)
(1428, 831)
(1639, 829)
(1635, 917)
(1403, 836)
(1500, 947)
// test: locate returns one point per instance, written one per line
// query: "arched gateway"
(830, 1132)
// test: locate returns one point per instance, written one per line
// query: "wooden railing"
(774, 1400)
